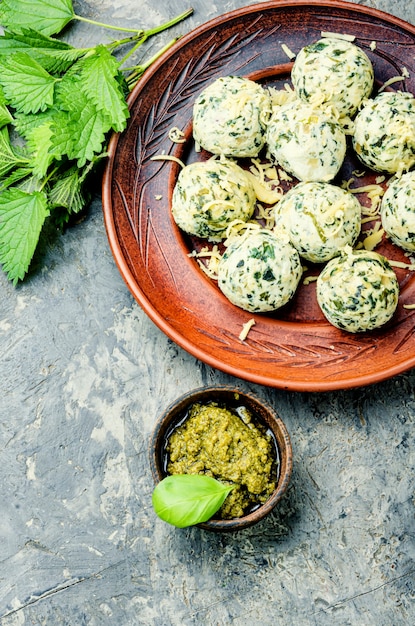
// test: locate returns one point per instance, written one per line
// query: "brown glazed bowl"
(229, 396)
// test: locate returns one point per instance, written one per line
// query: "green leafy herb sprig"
(58, 105)
(188, 499)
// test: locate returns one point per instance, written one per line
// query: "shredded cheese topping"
(167, 157)
(211, 256)
(391, 81)
(343, 36)
(176, 135)
(290, 54)
(246, 328)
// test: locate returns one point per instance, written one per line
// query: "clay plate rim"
(285, 353)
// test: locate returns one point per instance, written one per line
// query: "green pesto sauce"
(229, 446)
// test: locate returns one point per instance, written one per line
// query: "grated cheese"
(167, 157)
(263, 191)
(309, 279)
(290, 54)
(374, 193)
(212, 257)
(176, 135)
(402, 266)
(408, 306)
(246, 328)
(372, 45)
(238, 228)
(391, 81)
(343, 36)
(374, 237)
(268, 215)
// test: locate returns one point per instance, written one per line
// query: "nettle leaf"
(25, 38)
(187, 499)
(28, 87)
(26, 123)
(8, 157)
(90, 129)
(80, 132)
(17, 175)
(56, 61)
(39, 142)
(53, 55)
(22, 216)
(67, 191)
(52, 59)
(99, 82)
(68, 93)
(5, 116)
(47, 17)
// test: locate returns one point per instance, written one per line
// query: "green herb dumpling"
(209, 195)
(259, 272)
(319, 218)
(398, 211)
(230, 117)
(384, 134)
(333, 71)
(306, 141)
(358, 291)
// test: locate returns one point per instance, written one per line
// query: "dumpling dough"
(230, 117)
(208, 195)
(259, 272)
(333, 71)
(398, 211)
(320, 219)
(358, 291)
(307, 142)
(384, 136)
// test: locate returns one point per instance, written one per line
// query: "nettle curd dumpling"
(208, 195)
(230, 117)
(333, 71)
(384, 134)
(398, 211)
(259, 272)
(306, 141)
(358, 291)
(320, 219)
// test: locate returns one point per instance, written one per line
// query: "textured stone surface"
(83, 375)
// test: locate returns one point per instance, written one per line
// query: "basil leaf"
(188, 499)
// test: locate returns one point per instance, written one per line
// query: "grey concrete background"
(84, 374)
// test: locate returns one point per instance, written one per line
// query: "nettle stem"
(145, 34)
(138, 70)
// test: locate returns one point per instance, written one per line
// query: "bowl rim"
(165, 419)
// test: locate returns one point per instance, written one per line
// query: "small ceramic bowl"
(261, 412)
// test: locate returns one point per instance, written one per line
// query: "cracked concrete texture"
(83, 375)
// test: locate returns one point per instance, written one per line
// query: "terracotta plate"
(294, 348)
